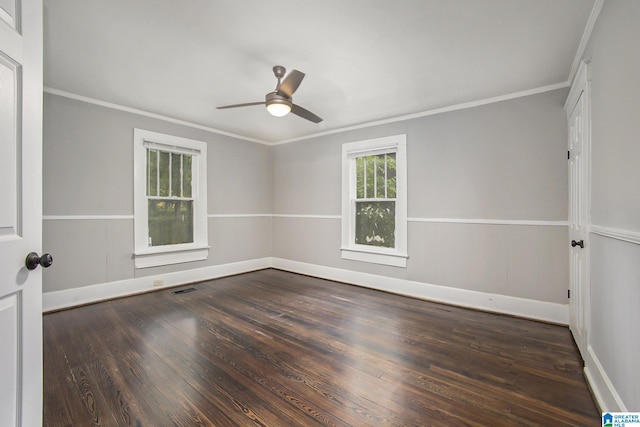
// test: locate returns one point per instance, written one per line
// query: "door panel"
(20, 212)
(578, 217)
(9, 166)
(9, 333)
(8, 12)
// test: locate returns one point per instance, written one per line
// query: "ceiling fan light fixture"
(278, 110)
(277, 105)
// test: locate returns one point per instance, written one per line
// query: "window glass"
(152, 172)
(170, 222)
(176, 175)
(360, 177)
(186, 176)
(375, 224)
(375, 220)
(391, 175)
(169, 217)
(163, 168)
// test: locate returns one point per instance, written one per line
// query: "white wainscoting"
(605, 394)
(607, 397)
(539, 310)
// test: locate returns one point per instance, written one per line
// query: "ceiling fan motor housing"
(275, 98)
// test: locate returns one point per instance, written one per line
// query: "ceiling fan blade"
(290, 83)
(305, 114)
(246, 104)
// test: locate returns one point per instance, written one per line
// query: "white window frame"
(397, 256)
(153, 256)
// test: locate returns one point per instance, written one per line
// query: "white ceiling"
(365, 60)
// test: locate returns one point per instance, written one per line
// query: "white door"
(578, 221)
(20, 212)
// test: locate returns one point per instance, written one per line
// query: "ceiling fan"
(279, 102)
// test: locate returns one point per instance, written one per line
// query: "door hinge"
(568, 293)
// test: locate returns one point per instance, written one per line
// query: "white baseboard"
(89, 294)
(607, 398)
(532, 309)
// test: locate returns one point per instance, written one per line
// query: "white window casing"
(396, 256)
(152, 256)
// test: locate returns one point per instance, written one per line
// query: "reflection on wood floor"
(272, 348)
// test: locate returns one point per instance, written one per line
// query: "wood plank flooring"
(272, 348)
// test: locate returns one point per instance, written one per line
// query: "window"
(170, 199)
(374, 201)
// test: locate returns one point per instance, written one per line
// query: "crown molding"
(119, 107)
(447, 109)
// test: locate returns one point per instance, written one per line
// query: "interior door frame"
(581, 86)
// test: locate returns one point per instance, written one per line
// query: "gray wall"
(88, 171)
(615, 196)
(502, 161)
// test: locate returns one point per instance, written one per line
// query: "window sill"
(394, 259)
(159, 255)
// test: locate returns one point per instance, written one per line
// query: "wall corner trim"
(586, 35)
(521, 307)
(605, 394)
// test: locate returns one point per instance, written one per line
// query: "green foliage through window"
(375, 200)
(169, 193)
(376, 223)
(170, 222)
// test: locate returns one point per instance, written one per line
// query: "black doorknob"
(579, 243)
(34, 260)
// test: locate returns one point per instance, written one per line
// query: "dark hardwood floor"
(272, 348)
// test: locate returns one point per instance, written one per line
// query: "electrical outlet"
(158, 282)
